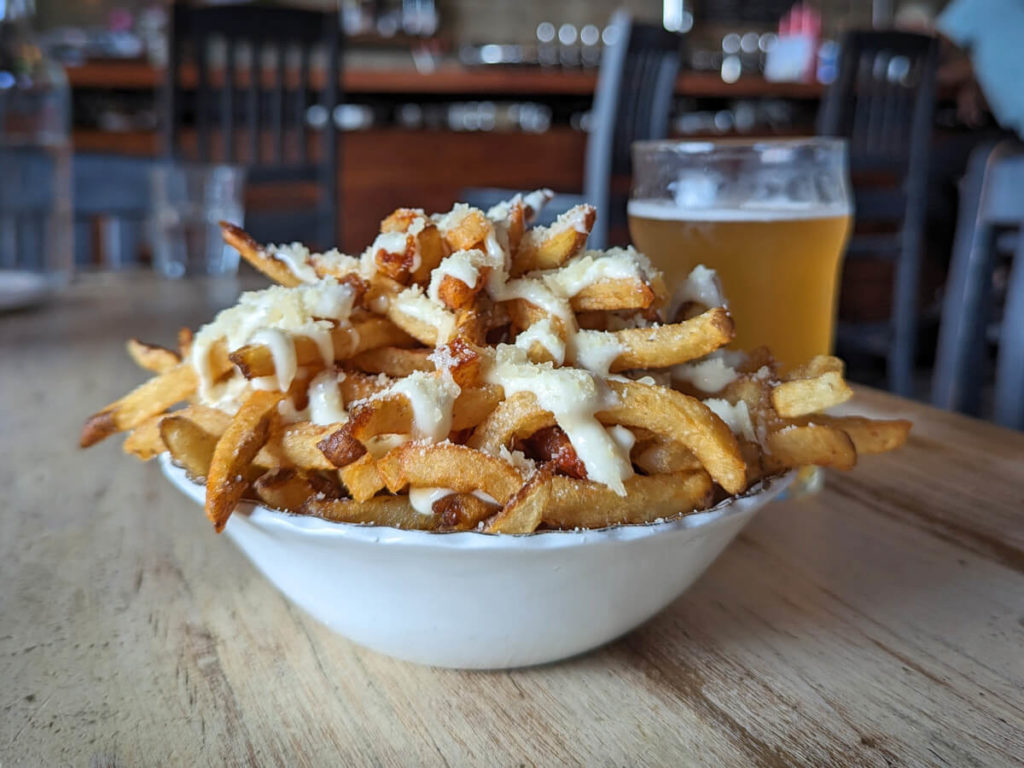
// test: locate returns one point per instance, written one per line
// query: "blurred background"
(437, 100)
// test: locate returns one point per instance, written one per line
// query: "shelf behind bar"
(455, 80)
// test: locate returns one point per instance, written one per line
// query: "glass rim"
(709, 146)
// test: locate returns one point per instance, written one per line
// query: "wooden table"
(879, 623)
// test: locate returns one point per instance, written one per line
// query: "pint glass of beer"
(771, 217)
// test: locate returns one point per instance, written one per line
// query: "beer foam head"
(773, 210)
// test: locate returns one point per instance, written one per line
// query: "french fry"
(392, 511)
(800, 397)
(144, 441)
(295, 445)
(658, 456)
(236, 448)
(257, 360)
(462, 511)
(148, 399)
(613, 295)
(254, 253)
(800, 446)
(463, 469)
(509, 466)
(516, 416)
(524, 511)
(362, 478)
(666, 345)
(869, 435)
(190, 445)
(683, 419)
(550, 247)
(393, 361)
(583, 504)
(151, 357)
(283, 489)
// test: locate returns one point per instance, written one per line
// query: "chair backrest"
(248, 92)
(882, 99)
(991, 206)
(632, 102)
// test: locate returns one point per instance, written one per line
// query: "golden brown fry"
(665, 345)
(392, 511)
(455, 294)
(152, 357)
(684, 419)
(613, 294)
(462, 511)
(524, 511)
(469, 233)
(361, 478)
(190, 445)
(869, 435)
(359, 386)
(257, 360)
(393, 361)
(393, 414)
(801, 446)
(254, 253)
(800, 397)
(283, 489)
(462, 469)
(185, 336)
(517, 416)
(295, 445)
(551, 247)
(816, 366)
(144, 441)
(582, 504)
(148, 399)
(659, 456)
(237, 447)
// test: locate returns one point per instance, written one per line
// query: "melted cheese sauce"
(272, 317)
(432, 396)
(573, 396)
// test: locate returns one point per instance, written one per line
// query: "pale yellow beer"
(779, 267)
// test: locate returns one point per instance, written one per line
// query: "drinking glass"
(188, 201)
(770, 216)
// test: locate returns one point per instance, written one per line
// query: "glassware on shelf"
(35, 158)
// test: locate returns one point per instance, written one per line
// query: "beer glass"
(770, 216)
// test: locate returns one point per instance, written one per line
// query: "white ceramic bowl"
(479, 601)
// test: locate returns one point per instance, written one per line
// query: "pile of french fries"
(471, 372)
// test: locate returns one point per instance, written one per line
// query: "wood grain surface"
(879, 623)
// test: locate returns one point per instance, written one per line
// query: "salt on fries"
(468, 372)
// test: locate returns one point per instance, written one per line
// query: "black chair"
(248, 113)
(882, 103)
(632, 102)
(990, 223)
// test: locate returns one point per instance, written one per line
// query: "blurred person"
(990, 76)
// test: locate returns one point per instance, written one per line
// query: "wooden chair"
(882, 103)
(243, 111)
(632, 102)
(990, 222)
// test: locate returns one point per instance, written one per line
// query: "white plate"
(478, 601)
(20, 289)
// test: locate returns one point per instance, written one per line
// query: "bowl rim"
(762, 492)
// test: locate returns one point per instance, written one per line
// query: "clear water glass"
(188, 202)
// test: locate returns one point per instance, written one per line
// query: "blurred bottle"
(35, 155)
